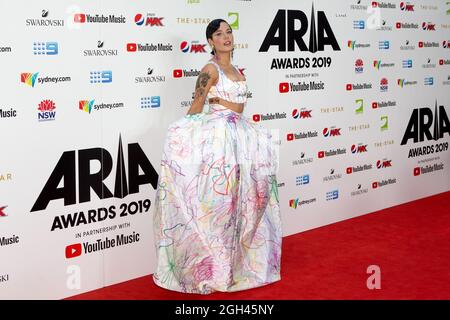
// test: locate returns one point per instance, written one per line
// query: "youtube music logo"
(358, 86)
(416, 171)
(333, 152)
(131, 47)
(74, 250)
(177, 73)
(180, 73)
(79, 18)
(283, 87)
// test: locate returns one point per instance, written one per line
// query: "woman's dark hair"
(212, 27)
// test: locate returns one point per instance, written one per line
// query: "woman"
(217, 221)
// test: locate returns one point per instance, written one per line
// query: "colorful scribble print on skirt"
(217, 223)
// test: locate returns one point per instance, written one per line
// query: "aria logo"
(422, 121)
(2, 212)
(282, 32)
(66, 171)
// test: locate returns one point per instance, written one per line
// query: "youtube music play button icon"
(74, 250)
(79, 18)
(131, 47)
(283, 87)
(177, 73)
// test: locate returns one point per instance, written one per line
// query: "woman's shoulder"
(211, 67)
(211, 64)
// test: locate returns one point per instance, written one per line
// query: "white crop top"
(227, 89)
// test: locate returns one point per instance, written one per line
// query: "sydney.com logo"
(30, 79)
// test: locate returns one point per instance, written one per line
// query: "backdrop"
(357, 91)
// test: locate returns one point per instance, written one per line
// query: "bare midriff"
(236, 107)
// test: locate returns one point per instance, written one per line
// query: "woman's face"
(222, 38)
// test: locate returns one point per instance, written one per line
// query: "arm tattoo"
(202, 81)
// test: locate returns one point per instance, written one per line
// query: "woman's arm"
(207, 78)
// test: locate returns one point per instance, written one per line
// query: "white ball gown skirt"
(217, 223)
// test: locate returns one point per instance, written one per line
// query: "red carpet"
(410, 243)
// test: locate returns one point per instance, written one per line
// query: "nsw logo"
(46, 110)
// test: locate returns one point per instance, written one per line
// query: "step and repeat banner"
(357, 92)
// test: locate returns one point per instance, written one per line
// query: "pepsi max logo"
(302, 114)
(185, 47)
(359, 148)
